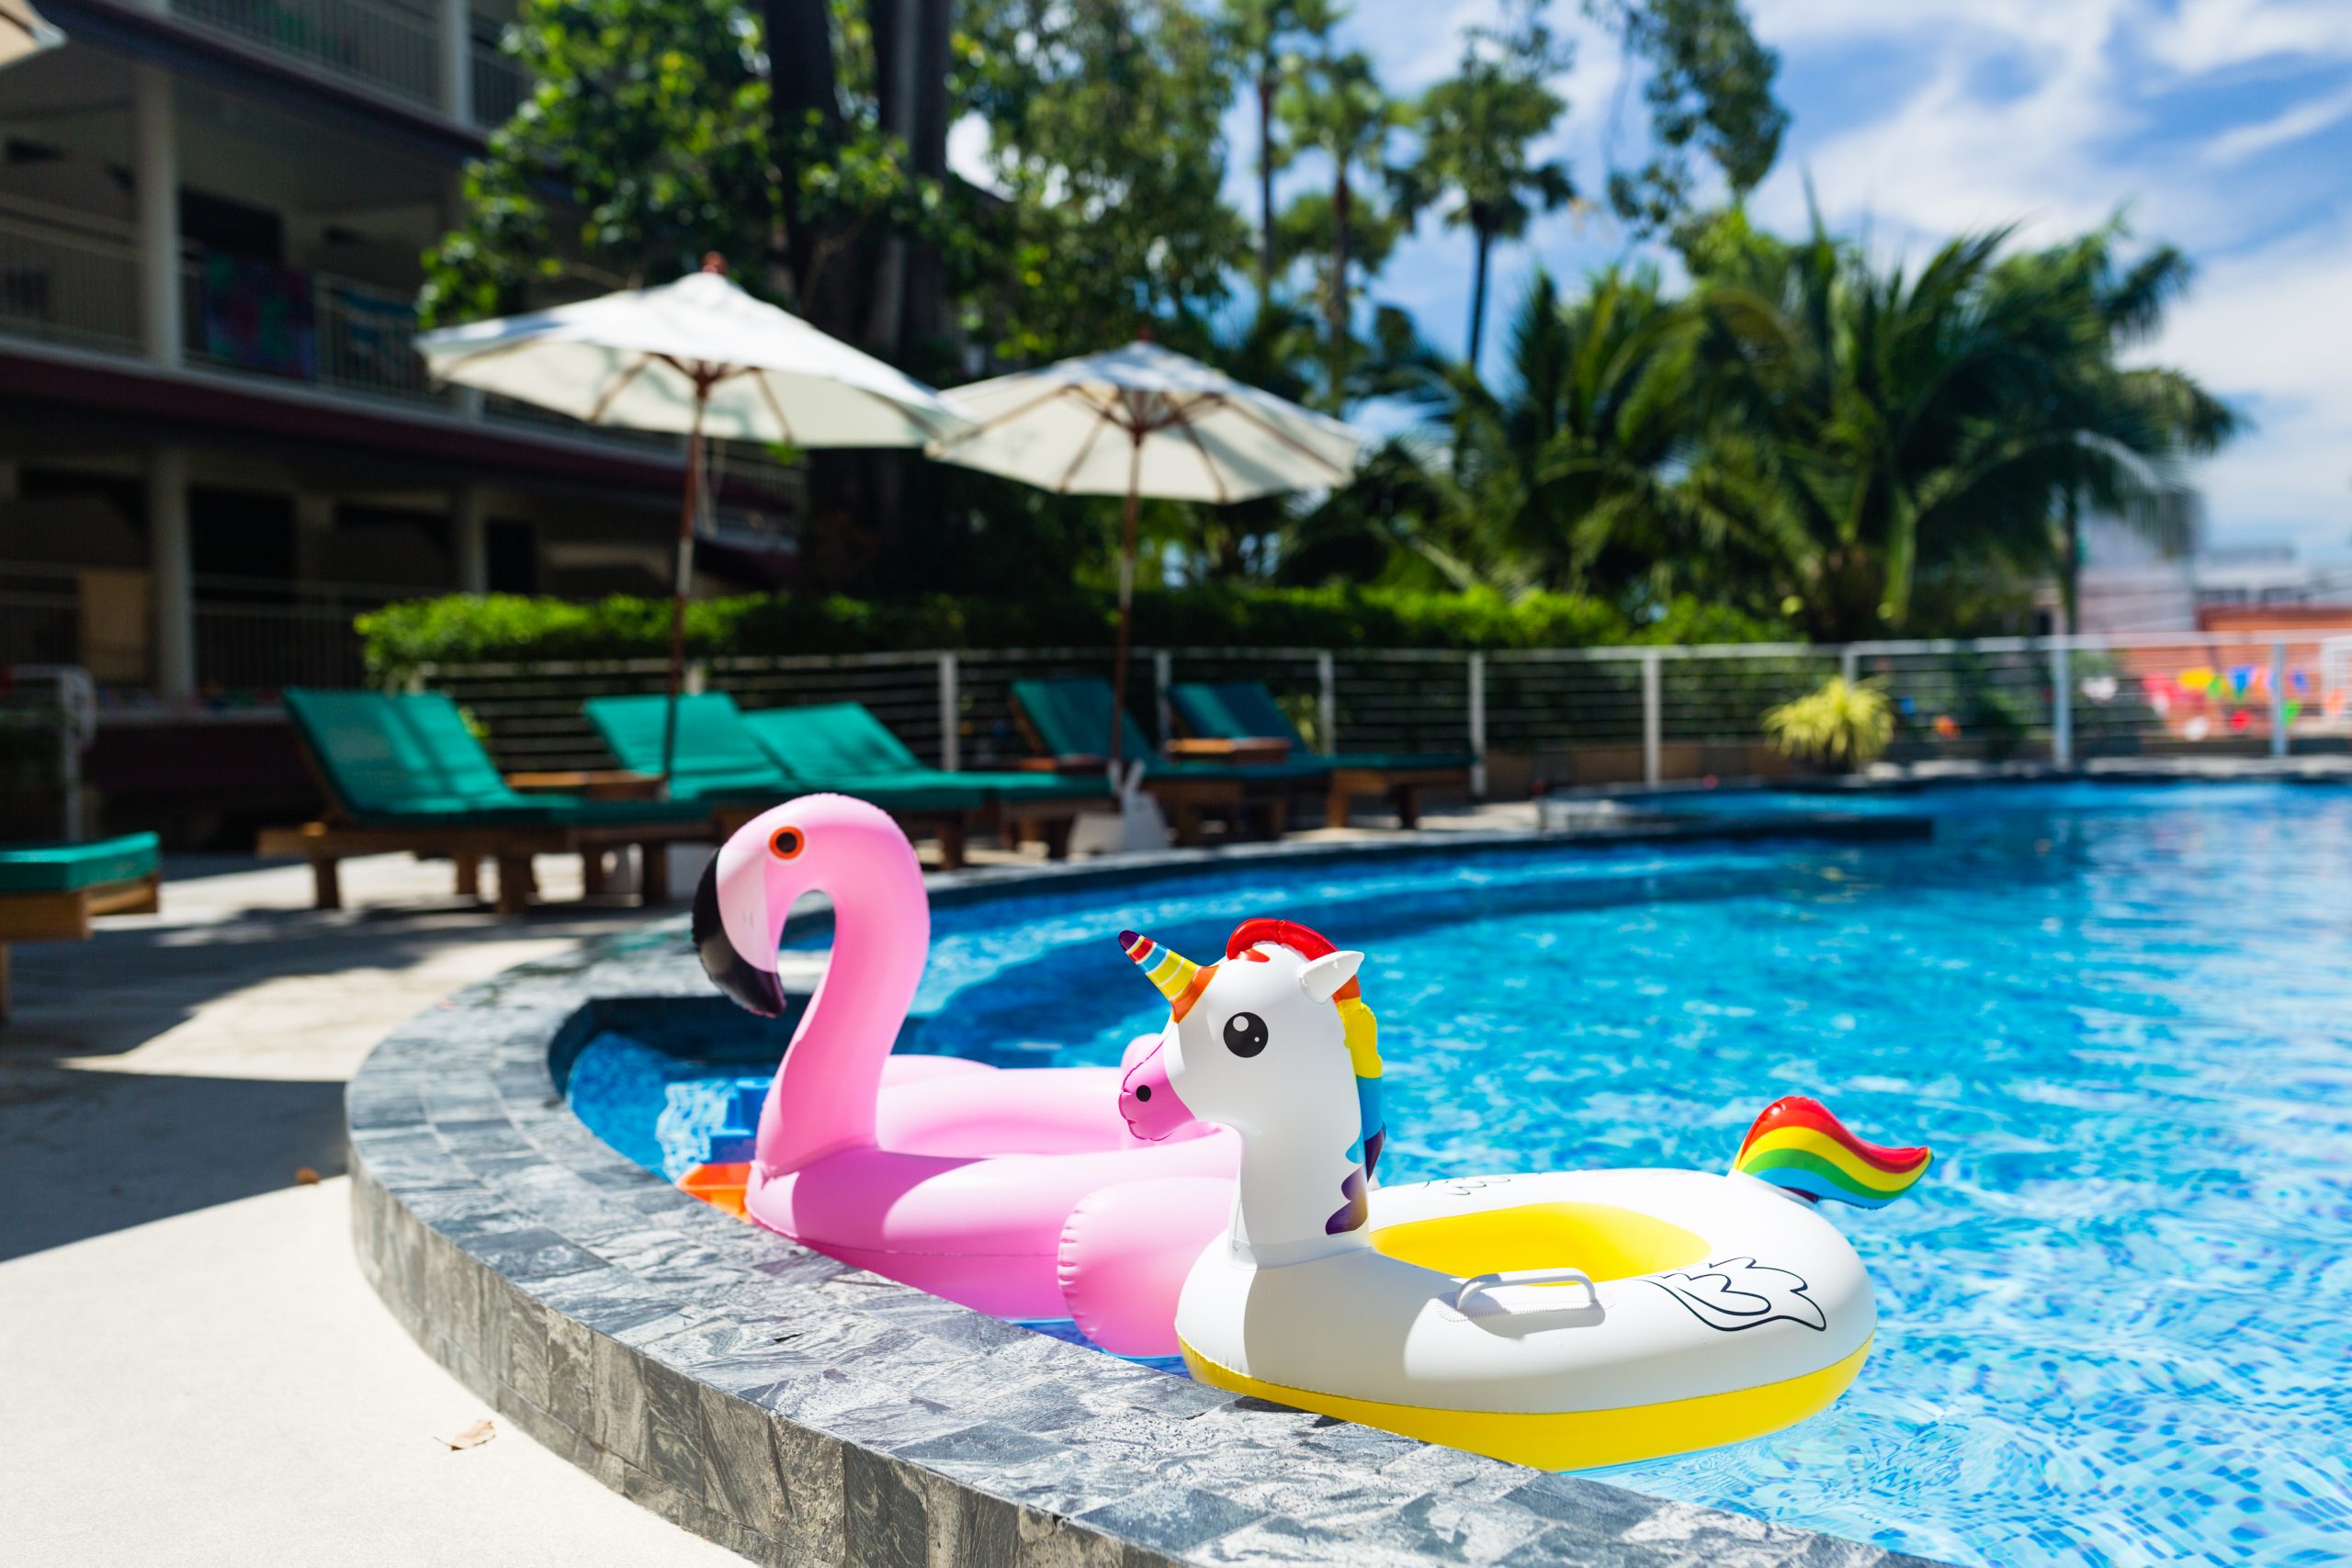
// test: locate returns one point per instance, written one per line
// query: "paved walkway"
(192, 1370)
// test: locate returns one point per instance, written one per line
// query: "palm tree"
(1476, 129)
(1259, 30)
(1571, 471)
(1332, 104)
(2136, 426)
(1879, 425)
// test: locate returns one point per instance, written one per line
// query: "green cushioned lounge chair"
(1069, 721)
(844, 743)
(1236, 710)
(405, 772)
(50, 892)
(719, 759)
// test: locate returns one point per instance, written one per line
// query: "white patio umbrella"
(24, 32)
(698, 356)
(1143, 421)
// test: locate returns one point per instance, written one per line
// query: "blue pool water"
(2115, 1320)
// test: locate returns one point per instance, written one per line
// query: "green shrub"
(462, 628)
(1843, 724)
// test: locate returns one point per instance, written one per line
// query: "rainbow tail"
(1799, 1148)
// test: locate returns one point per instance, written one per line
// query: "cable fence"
(1537, 718)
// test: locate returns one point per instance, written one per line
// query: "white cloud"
(2211, 35)
(2240, 142)
(2270, 328)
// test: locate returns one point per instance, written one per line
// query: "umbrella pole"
(1126, 601)
(684, 582)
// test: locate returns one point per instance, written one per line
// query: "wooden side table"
(592, 784)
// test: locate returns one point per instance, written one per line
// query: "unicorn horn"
(1171, 974)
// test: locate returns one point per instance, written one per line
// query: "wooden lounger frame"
(66, 916)
(951, 824)
(1185, 800)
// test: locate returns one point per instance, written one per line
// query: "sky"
(2224, 127)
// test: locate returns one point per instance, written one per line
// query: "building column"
(155, 181)
(313, 524)
(457, 37)
(470, 538)
(169, 560)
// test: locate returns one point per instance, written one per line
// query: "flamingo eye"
(786, 842)
(1245, 1034)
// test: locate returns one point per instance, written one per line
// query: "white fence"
(1556, 716)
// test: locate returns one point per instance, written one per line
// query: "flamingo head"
(818, 842)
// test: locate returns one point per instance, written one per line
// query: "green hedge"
(463, 629)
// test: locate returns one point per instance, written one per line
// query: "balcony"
(371, 44)
(73, 279)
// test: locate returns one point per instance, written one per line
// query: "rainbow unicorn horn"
(1171, 974)
(1801, 1148)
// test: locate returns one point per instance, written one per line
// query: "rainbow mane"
(1797, 1146)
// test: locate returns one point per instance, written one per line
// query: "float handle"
(1559, 1276)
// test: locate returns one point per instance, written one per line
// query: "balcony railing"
(498, 87)
(66, 279)
(74, 278)
(303, 326)
(385, 48)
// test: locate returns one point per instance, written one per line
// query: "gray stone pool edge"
(798, 1411)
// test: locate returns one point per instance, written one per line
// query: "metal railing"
(253, 636)
(498, 85)
(1557, 716)
(68, 277)
(387, 48)
(303, 326)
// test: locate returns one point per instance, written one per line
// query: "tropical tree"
(1106, 137)
(1332, 104)
(614, 176)
(1882, 425)
(2135, 426)
(1478, 129)
(1259, 30)
(1709, 89)
(1570, 471)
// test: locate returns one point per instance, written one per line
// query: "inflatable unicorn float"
(1565, 1319)
(1214, 1194)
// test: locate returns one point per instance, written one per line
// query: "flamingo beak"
(754, 988)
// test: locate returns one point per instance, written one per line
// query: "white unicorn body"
(1563, 1320)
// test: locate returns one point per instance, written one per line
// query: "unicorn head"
(1275, 1042)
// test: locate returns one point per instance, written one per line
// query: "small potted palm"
(1841, 726)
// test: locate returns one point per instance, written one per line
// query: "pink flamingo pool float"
(1021, 1192)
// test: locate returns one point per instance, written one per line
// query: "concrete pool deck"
(196, 1371)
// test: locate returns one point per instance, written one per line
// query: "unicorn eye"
(1245, 1034)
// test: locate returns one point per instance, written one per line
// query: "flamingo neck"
(825, 1094)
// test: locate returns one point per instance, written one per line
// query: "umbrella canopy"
(639, 359)
(1143, 421)
(698, 356)
(23, 32)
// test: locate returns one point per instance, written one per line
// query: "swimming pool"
(2115, 1320)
